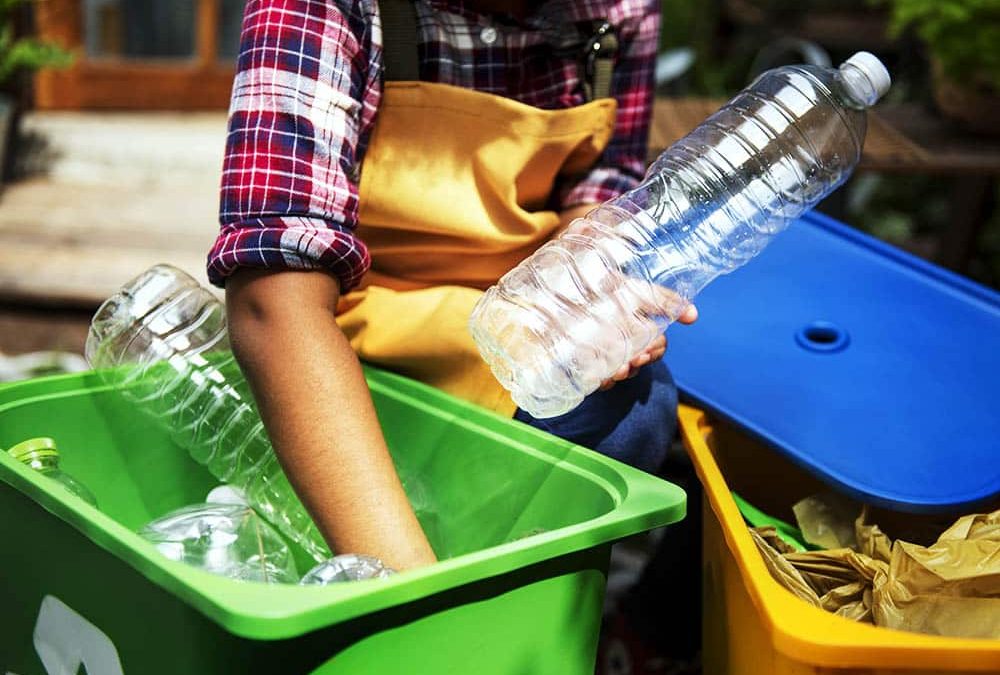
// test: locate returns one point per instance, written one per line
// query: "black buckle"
(602, 44)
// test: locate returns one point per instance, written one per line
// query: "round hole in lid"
(822, 336)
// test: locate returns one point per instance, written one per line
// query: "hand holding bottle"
(587, 306)
(654, 351)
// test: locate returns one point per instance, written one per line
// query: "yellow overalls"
(452, 195)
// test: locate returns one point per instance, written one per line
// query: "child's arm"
(305, 94)
(316, 406)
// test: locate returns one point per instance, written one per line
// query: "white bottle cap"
(873, 69)
(226, 494)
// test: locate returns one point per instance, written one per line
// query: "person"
(362, 214)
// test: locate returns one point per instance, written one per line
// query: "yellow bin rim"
(809, 634)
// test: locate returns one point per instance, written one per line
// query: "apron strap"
(599, 58)
(399, 40)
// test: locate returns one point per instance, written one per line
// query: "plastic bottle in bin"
(162, 339)
(570, 315)
(42, 455)
(346, 567)
(230, 540)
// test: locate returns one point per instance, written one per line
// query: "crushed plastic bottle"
(162, 340)
(42, 455)
(346, 567)
(570, 315)
(230, 540)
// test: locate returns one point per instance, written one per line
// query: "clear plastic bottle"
(230, 540)
(344, 568)
(162, 340)
(42, 455)
(570, 315)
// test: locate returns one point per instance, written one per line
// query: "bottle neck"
(41, 462)
(860, 90)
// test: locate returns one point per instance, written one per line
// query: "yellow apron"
(452, 195)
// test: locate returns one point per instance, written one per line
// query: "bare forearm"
(318, 411)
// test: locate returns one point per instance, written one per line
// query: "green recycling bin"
(523, 521)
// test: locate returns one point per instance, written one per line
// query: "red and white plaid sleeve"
(304, 101)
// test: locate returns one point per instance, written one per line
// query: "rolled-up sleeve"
(622, 164)
(304, 101)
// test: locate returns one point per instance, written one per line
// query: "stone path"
(111, 195)
(107, 196)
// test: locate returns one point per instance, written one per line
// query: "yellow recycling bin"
(754, 626)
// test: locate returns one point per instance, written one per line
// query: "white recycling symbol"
(64, 641)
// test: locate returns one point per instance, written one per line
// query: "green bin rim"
(261, 611)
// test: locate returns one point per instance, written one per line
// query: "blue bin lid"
(870, 368)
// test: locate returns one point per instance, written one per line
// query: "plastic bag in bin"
(950, 587)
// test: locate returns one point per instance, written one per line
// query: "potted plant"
(19, 57)
(963, 42)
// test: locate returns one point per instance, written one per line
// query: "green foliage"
(964, 35)
(24, 54)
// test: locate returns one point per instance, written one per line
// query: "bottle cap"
(227, 494)
(34, 448)
(873, 69)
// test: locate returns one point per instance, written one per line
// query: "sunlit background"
(113, 153)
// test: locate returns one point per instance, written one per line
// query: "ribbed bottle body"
(569, 316)
(719, 195)
(162, 340)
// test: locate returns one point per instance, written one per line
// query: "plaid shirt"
(307, 90)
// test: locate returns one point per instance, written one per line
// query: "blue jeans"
(633, 422)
